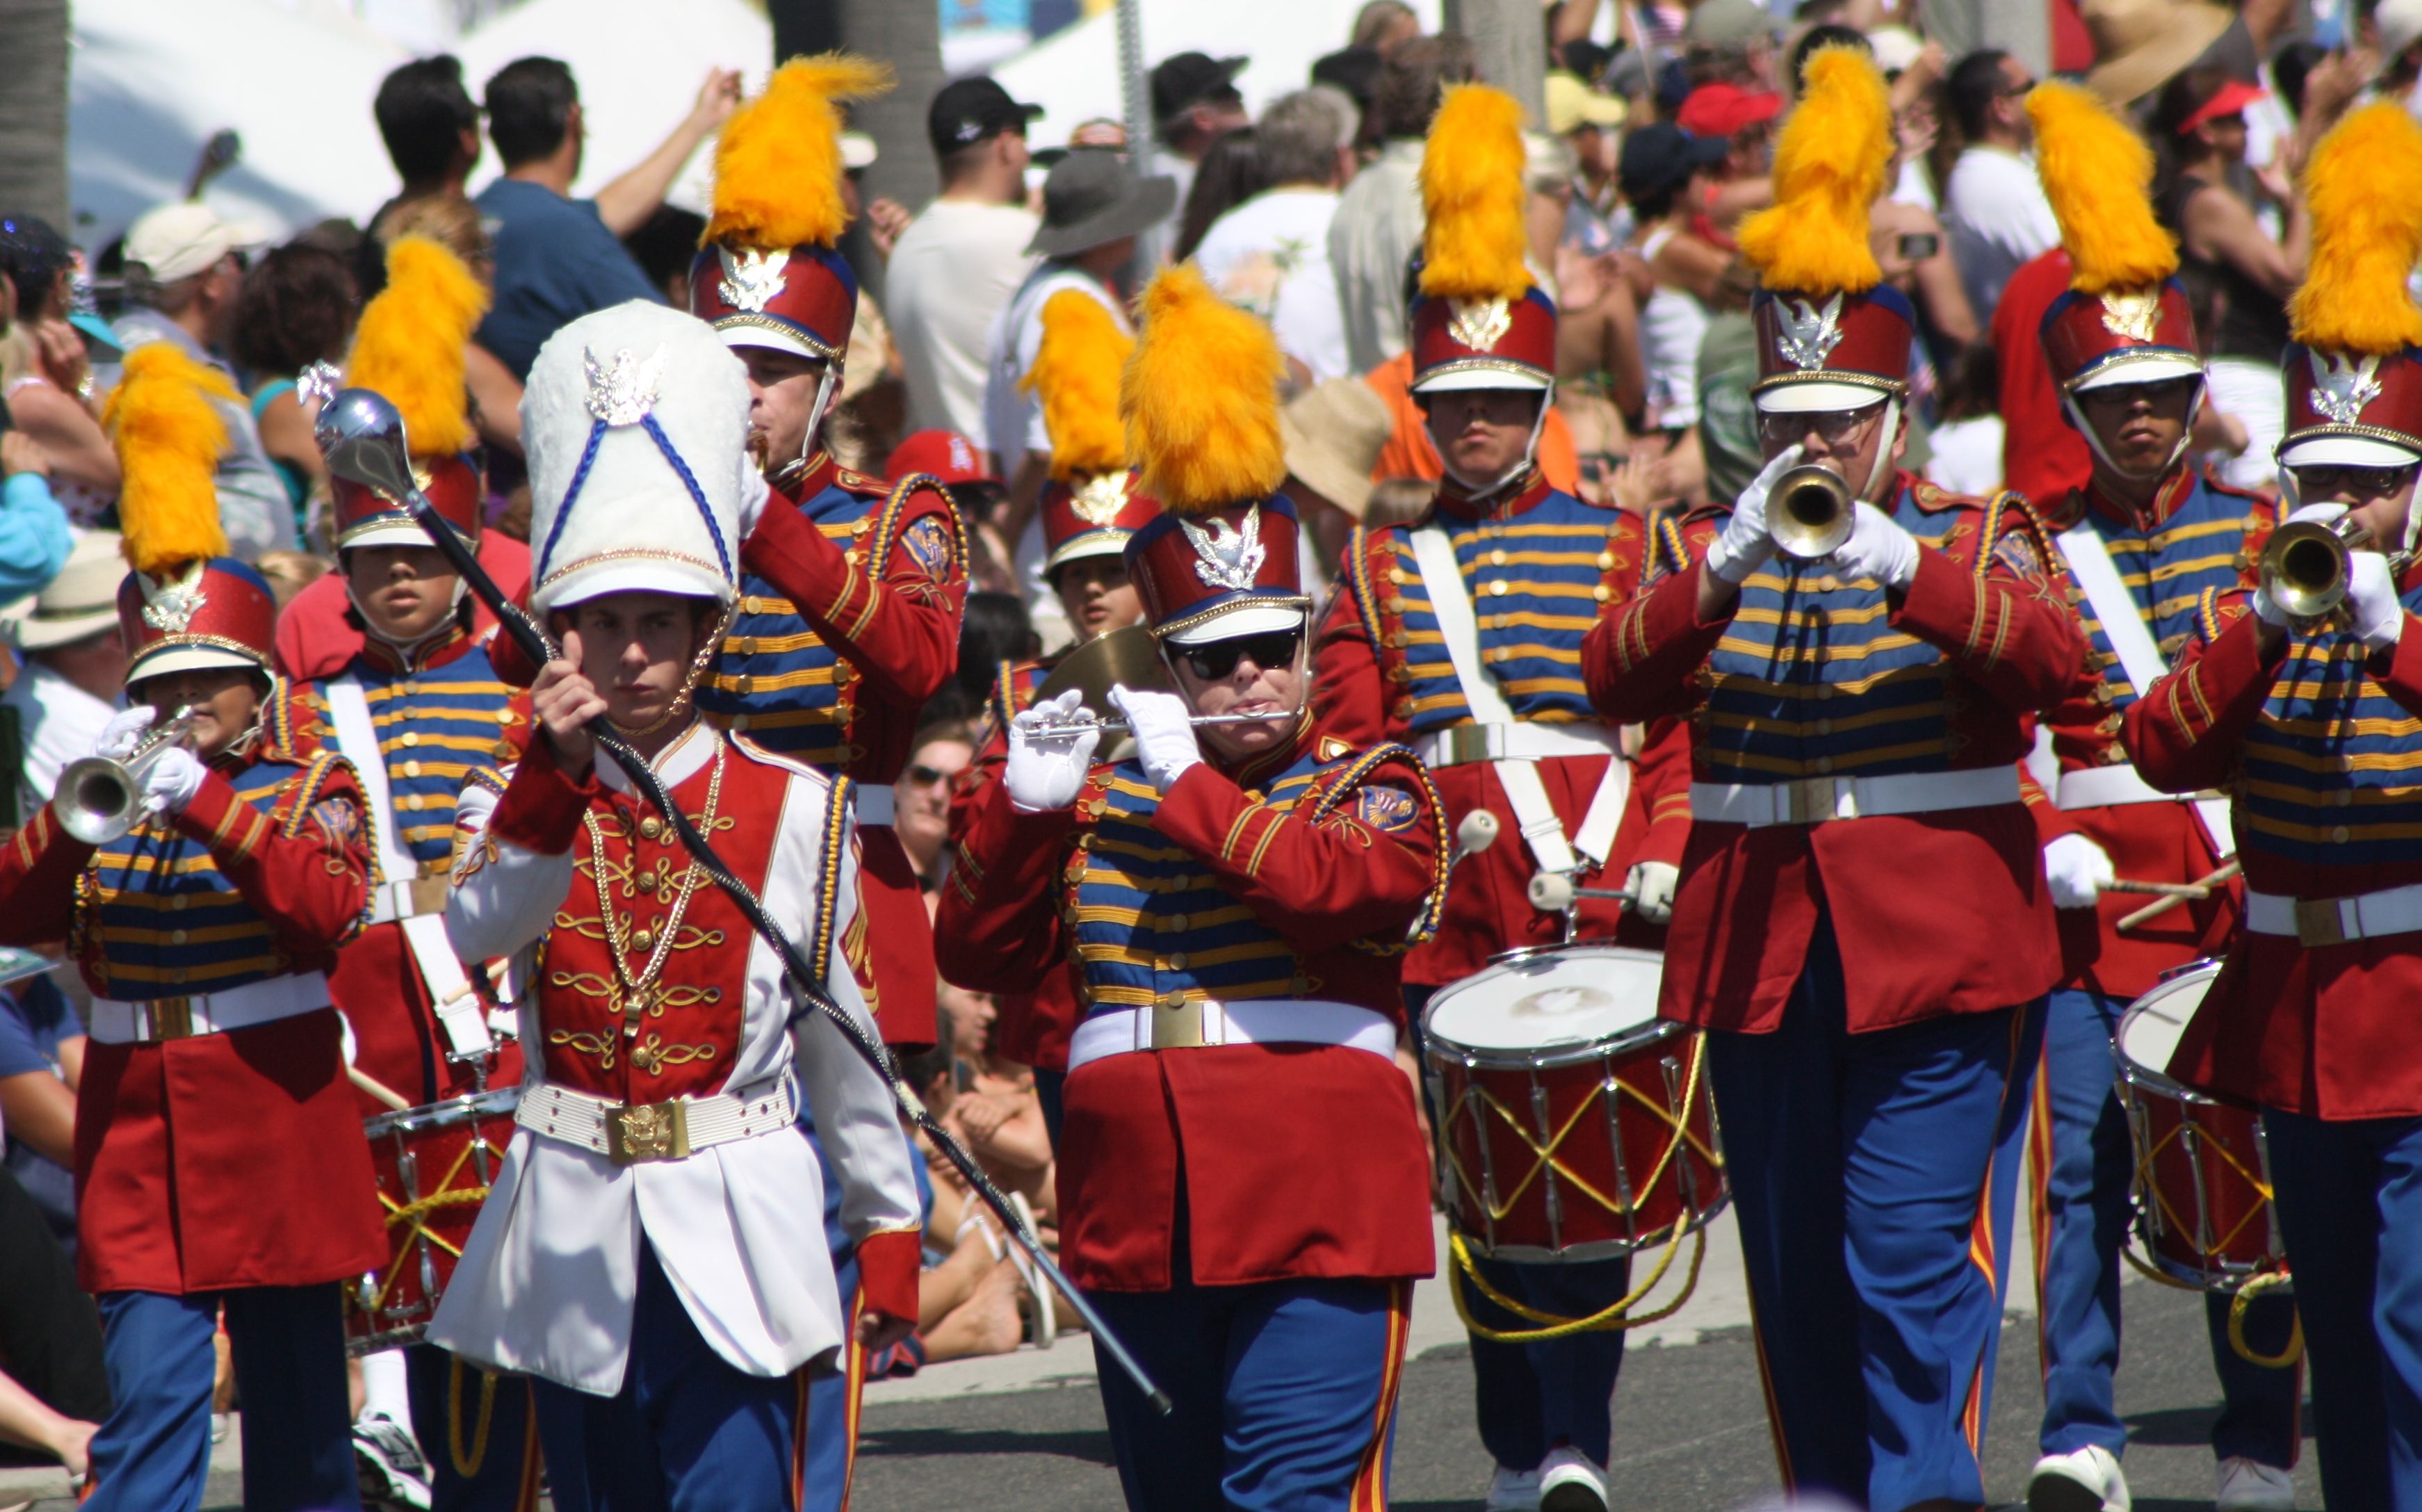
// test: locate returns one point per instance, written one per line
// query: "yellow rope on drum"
(1608, 1321)
(2255, 1285)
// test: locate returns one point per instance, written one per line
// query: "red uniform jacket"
(1297, 1160)
(1935, 913)
(318, 635)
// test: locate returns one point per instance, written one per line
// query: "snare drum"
(434, 1165)
(1573, 1122)
(2202, 1188)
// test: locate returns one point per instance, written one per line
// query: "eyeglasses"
(1219, 658)
(2121, 396)
(2325, 482)
(919, 775)
(1832, 427)
(2014, 90)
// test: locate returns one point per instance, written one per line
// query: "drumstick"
(2167, 890)
(376, 1088)
(2162, 906)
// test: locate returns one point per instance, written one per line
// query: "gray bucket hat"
(1091, 198)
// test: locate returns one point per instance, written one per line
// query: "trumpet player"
(2301, 698)
(2139, 546)
(220, 1161)
(1461, 635)
(1862, 923)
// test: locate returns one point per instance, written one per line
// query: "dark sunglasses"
(2124, 396)
(1217, 659)
(1834, 427)
(2362, 482)
(920, 775)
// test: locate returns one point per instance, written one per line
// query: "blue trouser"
(686, 1433)
(474, 1429)
(1283, 1393)
(153, 1454)
(1531, 1397)
(2084, 1161)
(2350, 1203)
(1874, 1175)
(1049, 1087)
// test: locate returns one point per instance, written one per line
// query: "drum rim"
(2149, 1079)
(1690, 1222)
(1650, 1032)
(467, 1107)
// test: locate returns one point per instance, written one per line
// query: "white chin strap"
(2076, 414)
(1881, 466)
(1530, 449)
(453, 608)
(824, 387)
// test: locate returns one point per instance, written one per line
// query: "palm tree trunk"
(909, 36)
(34, 109)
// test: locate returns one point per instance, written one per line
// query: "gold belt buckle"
(167, 1018)
(428, 893)
(1176, 1023)
(2318, 923)
(1812, 799)
(647, 1131)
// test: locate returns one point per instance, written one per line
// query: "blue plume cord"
(564, 511)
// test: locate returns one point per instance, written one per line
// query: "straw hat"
(2143, 44)
(1333, 435)
(82, 601)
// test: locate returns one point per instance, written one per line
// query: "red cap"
(2125, 337)
(1721, 109)
(1092, 518)
(1209, 576)
(366, 517)
(803, 301)
(945, 455)
(2233, 98)
(1483, 344)
(217, 613)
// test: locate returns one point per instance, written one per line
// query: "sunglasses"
(920, 775)
(2123, 396)
(1219, 658)
(1832, 427)
(2361, 483)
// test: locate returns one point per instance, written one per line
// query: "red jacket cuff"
(542, 806)
(787, 551)
(221, 820)
(887, 1264)
(1940, 603)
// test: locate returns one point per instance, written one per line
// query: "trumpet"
(1810, 513)
(2305, 565)
(1120, 727)
(101, 798)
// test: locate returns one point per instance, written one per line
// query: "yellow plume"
(409, 344)
(169, 440)
(2364, 187)
(2098, 174)
(778, 167)
(1829, 168)
(1472, 191)
(1077, 371)
(1201, 398)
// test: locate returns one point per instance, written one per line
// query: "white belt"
(875, 805)
(2111, 787)
(1812, 800)
(154, 1020)
(1206, 1021)
(628, 1134)
(410, 898)
(2336, 921)
(1525, 741)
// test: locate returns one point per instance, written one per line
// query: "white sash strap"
(1813, 800)
(2123, 625)
(1526, 741)
(459, 1010)
(603, 1127)
(153, 1019)
(2336, 921)
(1207, 1022)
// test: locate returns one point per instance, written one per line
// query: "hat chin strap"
(1521, 466)
(2077, 422)
(1881, 466)
(453, 608)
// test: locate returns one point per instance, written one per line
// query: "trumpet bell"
(2304, 568)
(1810, 513)
(98, 799)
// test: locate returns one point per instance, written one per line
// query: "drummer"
(2310, 721)
(220, 1162)
(421, 712)
(1494, 702)
(1238, 896)
(1089, 510)
(1862, 922)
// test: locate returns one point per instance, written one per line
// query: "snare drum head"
(1574, 995)
(2148, 1032)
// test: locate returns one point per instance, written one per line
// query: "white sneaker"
(388, 1460)
(2083, 1480)
(1570, 1481)
(1513, 1491)
(2250, 1486)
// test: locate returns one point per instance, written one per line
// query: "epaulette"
(858, 482)
(1934, 500)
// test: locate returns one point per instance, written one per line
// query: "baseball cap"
(1721, 109)
(858, 150)
(943, 454)
(1660, 156)
(2231, 100)
(2401, 27)
(1572, 104)
(1728, 24)
(1190, 78)
(179, 240)
(967, 111)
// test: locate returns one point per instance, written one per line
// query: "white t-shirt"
(1270, 255)
(57, 722)
(1999, 219)
(1967, 455)
(955, 267)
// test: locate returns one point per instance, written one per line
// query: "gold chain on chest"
(639, 996)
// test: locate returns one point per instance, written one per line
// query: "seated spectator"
(923, 797)
(1269, 253)
(559, 259)
(294, 307)
(46, 377)
(73, 676)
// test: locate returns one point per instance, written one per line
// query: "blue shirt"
(33, 1016)
(555, 261)
(34, 539)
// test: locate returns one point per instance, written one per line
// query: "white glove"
(124, 732)
(1164, 734)
(1878, 550)
(2076, 868)
(1651, 884)
(2268, 612)
(1747, 544)
(2371, 600)
(170, 782)
(1048, 771)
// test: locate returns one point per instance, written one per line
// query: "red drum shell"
(435, 1165)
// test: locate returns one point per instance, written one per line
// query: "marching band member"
(1237, 898)
(420, 713)
(1494, 704)
(220, 1162)
(1862, 925)
(2138, 545)
(1089, 510)
(2309, 723)
(653, 1254)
